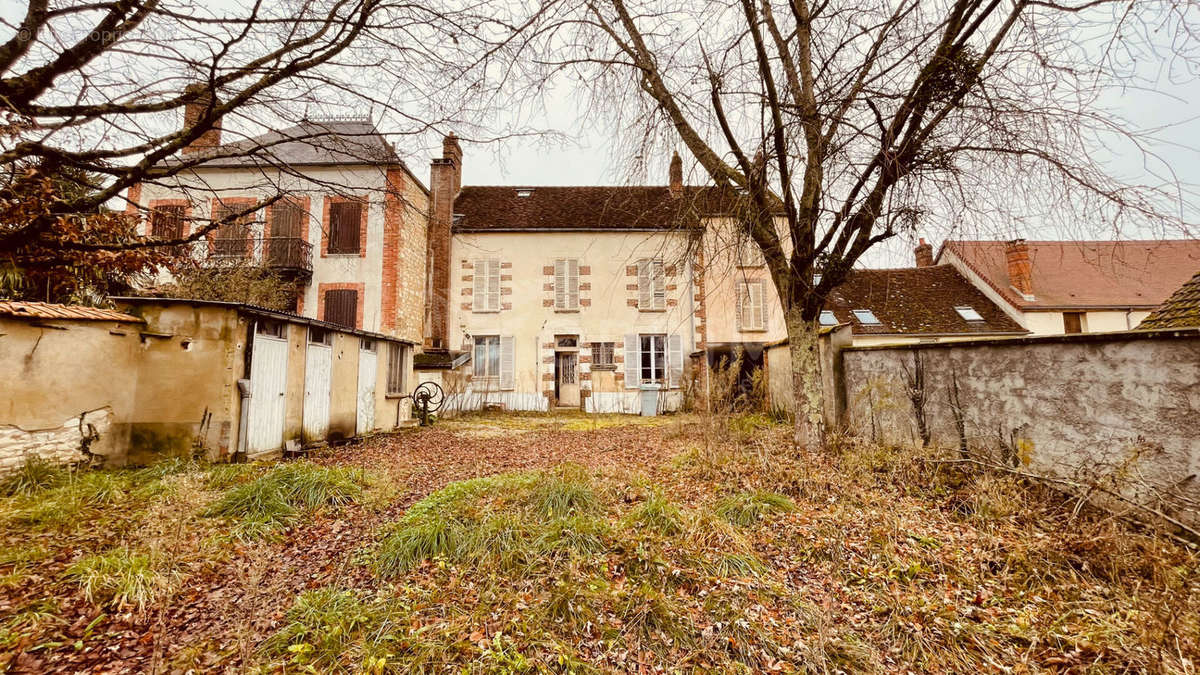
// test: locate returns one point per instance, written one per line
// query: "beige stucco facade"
(607, 311)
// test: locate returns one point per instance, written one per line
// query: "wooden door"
(268, 384)
(567, 374)
(317, 371)
(366, 391)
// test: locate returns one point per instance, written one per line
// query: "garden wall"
(1113, 410)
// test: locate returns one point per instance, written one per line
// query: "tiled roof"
(1083, 274)
(312, 142)
(915, 301)
(1181, 310)
(45, 310)
(503, 208)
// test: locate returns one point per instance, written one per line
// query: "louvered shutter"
(660, 285)
(756, 306)
(674, 360)
(740, 310)
(507, 362)
(494, 285)
(479, 293)
(560, 284)
(632, 362)
(573, 283)
(645, 294)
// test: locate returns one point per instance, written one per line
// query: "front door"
(567, 378)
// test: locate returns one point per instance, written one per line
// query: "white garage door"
(366, 388)
(316, 391)
(268, 383)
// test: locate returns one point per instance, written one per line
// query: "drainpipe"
(243, 416)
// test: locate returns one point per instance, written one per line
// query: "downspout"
(243, 416)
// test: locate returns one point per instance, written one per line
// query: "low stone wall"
(1115, 410)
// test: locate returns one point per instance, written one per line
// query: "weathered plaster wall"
(1079, 407)
(191, 359)
(59, 378)
(343, 399)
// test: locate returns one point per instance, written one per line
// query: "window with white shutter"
(566, 284)
(652, 285)
(750, 310)
(486, 294)
(749, 254)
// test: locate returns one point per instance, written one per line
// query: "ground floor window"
(487, 356)
(602, 354)
(653, 357)
(397, 373)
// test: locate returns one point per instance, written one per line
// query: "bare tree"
(98, 89)
(844, 124)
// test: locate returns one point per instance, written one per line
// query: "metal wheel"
(428, 397)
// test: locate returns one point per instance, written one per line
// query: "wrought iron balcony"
(284, 254)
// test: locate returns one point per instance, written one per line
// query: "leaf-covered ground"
(544, 543)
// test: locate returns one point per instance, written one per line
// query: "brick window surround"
(330, 200)
(187, 213)
(359, 287)
(236, 204)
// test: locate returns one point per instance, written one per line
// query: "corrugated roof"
(1181, 310)
(45, 310)
(508, 208)
(916, 301)
(1086, 274)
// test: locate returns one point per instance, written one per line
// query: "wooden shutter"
(740, 310)
(487, 285)
(230, 239)
(494, 285)
(633, 365)
(507, 362)
(167, 222)
(341, 307)
(479, 294)
(757, 306)
(660, 284)
(674, 360)
(560, 284)
(345, 223)
(645, 293)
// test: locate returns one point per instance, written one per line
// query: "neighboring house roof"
(45, 310)
(513, 208)
(1086, 274)
(440, 360)
(917, 301)
(310, 143)
(1181, 310)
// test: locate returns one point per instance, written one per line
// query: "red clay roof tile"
(45, 310)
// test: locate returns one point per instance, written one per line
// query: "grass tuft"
(121, 577)
(321, 625)
(35, 475)
(746, 508)
(657, 514)
(274, 499)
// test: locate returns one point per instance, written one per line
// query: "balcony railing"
(285, 254)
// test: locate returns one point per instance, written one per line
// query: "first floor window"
(231, 238)
(166, 222)
(653, 350)
(602, 354)
(397, 374)
(487, 356)
(341, 307)
(486, 294)
(345, 226)
(750, 311)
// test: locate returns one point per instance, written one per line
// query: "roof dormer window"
(828, 318)
(524, 193)
(866, 317)
(968, 313)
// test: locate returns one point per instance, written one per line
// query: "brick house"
(350, 228)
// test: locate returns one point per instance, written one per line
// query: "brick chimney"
(676, 176)
(445, 180)
(1020, 269)
(193, 112)
(924, 254)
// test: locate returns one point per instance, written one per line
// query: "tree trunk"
(804, 346)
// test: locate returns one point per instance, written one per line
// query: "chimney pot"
(1020, 268)
(676, 175)
(924, 254)
(193, 112)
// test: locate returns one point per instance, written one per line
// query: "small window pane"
(865, 316)
(968, 313)
(828, 318)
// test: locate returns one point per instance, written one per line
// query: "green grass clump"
(321, 625)
(558, 496)
(746, 508)
(274, 499)
(35, 475)
(658, 514)
(121, 577)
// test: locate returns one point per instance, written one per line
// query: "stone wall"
(1118, 410)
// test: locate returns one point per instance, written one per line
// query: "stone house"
(1057, 287)
(341, 215)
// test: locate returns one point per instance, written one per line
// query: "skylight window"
(866, 317)
(524, 193)
(828, 319)
(968, 313)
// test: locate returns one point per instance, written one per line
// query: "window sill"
(565, 311)
(342, 254)
(395, 395)
(485, 311)
(598, 366)
(652, 311)
(752, 330)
